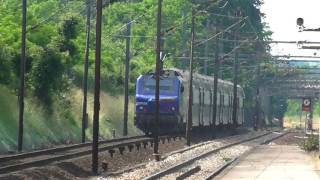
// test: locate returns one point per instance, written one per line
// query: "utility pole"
(157, 94)
(235, 80)
(85, 74)
(95, 133)
(206, 49)
(271, 111)
(257, 108)
(126, 83)
(189, 120)
(22, 73)
(162, 53)
(216, 78)
(311, 116)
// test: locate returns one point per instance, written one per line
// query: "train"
(174, 97)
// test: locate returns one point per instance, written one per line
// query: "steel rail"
(60, 149)
(189, 173)
(221, 169)
(110, 145)
(197, 145)
(143, 165)
(179, 166)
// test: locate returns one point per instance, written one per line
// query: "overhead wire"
(170, 29)
(49, 18)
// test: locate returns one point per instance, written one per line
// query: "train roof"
(199, 79)
(226, 85)
(202, 77)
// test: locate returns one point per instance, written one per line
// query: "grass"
(111, 115)
(63, 126)
(294, 121)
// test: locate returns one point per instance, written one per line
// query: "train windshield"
(166, 86)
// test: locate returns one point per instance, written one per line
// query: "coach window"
(211, 97)
(181, 88)
(194, 94)
(200, 96)
(231, 100)
(203, 96)
(238, 103)
(222, 100)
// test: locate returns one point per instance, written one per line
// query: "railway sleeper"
(145, 144)
(130, 147)
(121, 149)
(138, 146)
(104, 166)
(111, 152)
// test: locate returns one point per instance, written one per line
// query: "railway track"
(22, 161)
(181, 167)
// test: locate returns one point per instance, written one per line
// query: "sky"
(281, 16)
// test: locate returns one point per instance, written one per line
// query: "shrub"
(311, 144)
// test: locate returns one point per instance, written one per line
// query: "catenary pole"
(257, 108)
(95, 133)
(157, 93)
(22, 74)
(301, 117)
(190, 103)
(85, 74)
(215, 80)
(235, 79)
(206, 49)
(126, 83)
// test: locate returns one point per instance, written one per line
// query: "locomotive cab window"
(167, 86)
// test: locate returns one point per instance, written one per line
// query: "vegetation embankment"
(62, 126)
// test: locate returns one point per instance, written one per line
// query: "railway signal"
(306, 105)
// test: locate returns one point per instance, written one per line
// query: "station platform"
(276, 162)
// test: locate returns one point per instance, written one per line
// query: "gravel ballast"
(212, 161)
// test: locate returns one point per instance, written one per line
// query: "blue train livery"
(170, 93)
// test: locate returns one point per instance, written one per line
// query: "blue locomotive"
(174, 102)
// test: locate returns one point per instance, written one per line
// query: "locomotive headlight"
(141, 108)
(173, 108)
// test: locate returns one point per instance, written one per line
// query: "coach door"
(218, 108)
(200, 115)
(210, 108)
(195, 106)
(230, 109)
(221, 108)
